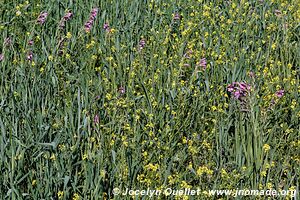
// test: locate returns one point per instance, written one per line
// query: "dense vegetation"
(96, 95)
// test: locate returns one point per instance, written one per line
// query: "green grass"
(176, 125)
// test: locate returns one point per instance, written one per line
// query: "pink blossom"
(88, 25)
(1, 57)
(244, 86)
(66, 18)
(203, 63)
(237, 94)
(239, 89)
(30, 56)
(42, 18)
(142, 44)
(106, 27)
(94, 12)
(230, 88)
(96, 119)
(279, 93)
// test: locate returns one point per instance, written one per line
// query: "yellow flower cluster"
(204, 170)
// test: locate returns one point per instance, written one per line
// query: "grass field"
(97, 95)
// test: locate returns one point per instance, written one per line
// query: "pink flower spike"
(203, 63)
(30, 56)
(177, 16)
(68, 16)
(96, 119)
(94, 12)
(244, 86)
(279, 93)
(237, 94)
(239, 89)
(230, 88)
(106, 27)
(142, 44)
(89, 23)
(42, 18)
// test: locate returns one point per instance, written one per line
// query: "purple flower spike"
(239, 89)
(89, 23)
(203, 63)
(42, 18)
(96, 119)
(30, 56)
(237, 94)
(230, 88)
(66, 18)
(244, 86)
(94, 12)
(106, 27)
(279, 93)
(142, 44)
